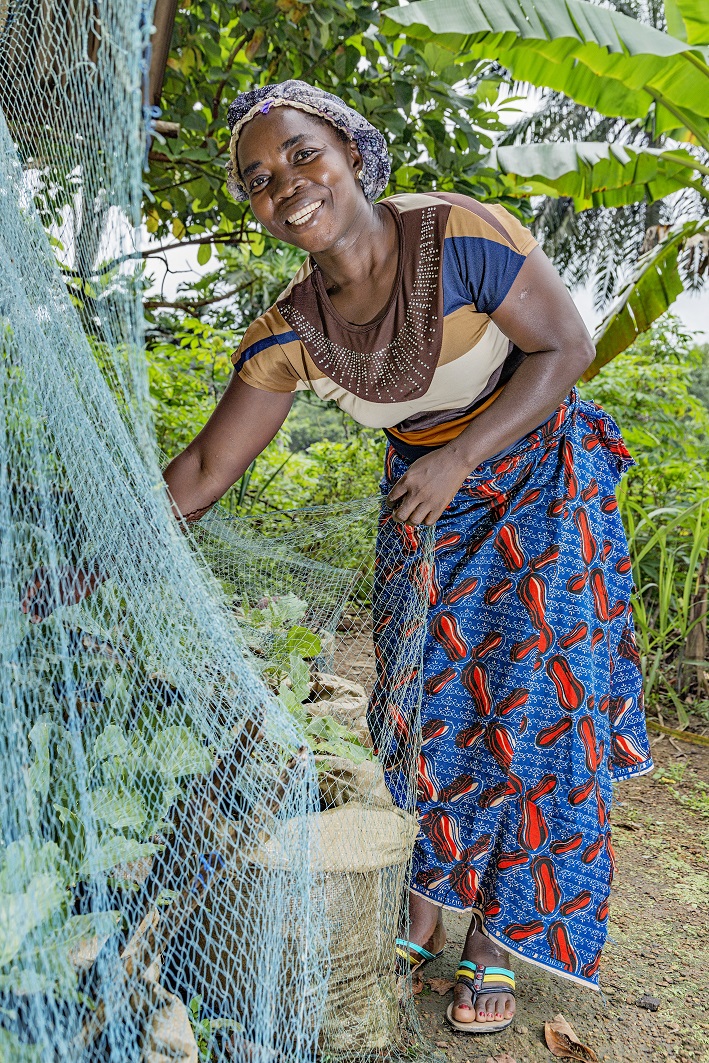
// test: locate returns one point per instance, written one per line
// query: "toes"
(463, 1010)
(509, 1007)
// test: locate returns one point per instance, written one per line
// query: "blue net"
(199, 859)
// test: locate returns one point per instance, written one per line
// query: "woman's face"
(300, 178)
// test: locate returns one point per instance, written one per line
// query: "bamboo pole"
(164, 21)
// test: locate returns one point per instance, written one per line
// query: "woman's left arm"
(540, 318)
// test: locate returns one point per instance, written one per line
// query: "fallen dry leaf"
(563, 1043)
(440, 985)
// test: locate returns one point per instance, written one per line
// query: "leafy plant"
(207, 1031)
(38, 932)
(288, 648)
(675, 542)
(664, 500)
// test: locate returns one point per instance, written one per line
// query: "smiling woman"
(439, 320)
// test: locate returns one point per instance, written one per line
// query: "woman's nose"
(287, 184)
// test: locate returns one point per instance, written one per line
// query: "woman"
(440, 321)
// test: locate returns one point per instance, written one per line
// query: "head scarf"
(372, 145)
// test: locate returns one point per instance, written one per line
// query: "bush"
(654, 390)
(650, 390)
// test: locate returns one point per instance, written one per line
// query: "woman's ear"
(356, 156)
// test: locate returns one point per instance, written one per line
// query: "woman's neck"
(364, 254)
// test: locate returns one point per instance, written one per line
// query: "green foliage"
(37, 930)
(599, 57)
(667, 546)
(699, 380)
(652, 287)
(188, 372)
(666, 426)
(665, 499)
(206, 1031)
(273, 632)
(595, 174)
(613, 66)
(312, 420)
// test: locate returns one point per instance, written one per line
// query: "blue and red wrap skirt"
(528, 685)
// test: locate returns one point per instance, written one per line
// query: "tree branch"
(213, 238)
(222, 84)
(195, 304)
(159, 156)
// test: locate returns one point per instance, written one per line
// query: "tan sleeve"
(520, 236)
(261, 361)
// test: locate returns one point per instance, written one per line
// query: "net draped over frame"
(199, 859)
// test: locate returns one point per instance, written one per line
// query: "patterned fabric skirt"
(532, 692)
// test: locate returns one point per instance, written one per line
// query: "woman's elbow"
(587, 351)
(577, 352)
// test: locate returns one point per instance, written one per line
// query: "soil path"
(659, 931)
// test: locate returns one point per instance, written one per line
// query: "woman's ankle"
(425, 920)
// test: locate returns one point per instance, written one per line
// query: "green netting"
(199, 858)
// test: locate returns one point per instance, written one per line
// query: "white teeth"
(302, 216)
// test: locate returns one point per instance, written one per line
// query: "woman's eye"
(304, 153)
(256, 183)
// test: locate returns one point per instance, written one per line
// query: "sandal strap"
(482, 979)
(405, 948)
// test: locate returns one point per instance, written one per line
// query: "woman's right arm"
(243, 424)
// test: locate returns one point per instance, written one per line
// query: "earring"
(360, 175)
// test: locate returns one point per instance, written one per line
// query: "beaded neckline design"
(402, 367)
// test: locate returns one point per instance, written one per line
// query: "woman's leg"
(426, 928)
(426, 923)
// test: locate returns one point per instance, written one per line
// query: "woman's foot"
(492, 1007)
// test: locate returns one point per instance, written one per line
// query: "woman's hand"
(427, 488)
(50, 588)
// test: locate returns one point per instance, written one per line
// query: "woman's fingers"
(32, 599)
(424, 491)
(413, 510)
(398, 491)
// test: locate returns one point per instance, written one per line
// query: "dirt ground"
(659, 939)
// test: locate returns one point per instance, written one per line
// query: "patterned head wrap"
(372, 145)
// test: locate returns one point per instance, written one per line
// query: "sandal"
(411, 957)
(482, 981)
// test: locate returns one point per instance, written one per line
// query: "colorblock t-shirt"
(433, 358)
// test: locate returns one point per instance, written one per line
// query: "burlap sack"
(358, 854)
(345, 701)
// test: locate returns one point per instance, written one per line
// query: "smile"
(301, 216)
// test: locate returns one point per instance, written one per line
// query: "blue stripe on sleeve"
(261, 345)
(479, 271)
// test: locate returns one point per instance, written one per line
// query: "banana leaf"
(594, 174)
(650, 291)
(688, 20)
(598, 57)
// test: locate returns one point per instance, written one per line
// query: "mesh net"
(199, 857)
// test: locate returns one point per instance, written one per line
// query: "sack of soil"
(358, 856)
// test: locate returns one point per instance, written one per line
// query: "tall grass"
(668, 545)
